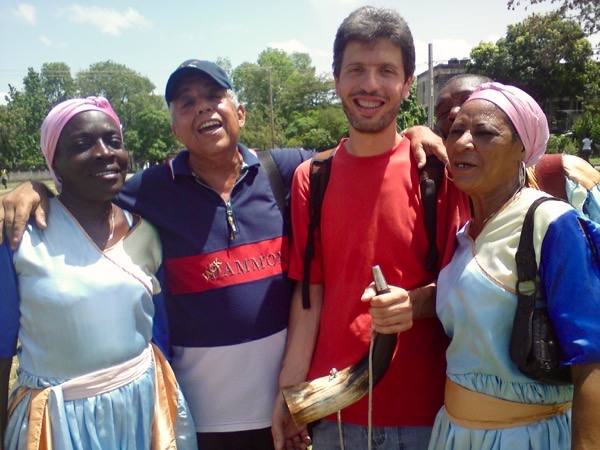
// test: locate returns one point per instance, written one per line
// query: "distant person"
(489, 403)
(78, 297)
(586, 148)
(4, 176)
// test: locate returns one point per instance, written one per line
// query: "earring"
(522, 174)
(446, 166)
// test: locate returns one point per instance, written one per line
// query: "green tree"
(26, 111)
(587, 12)
(317, 129)
(546, 55)
(273, 90)
(411, 113)
(57, 82)
(588, 125)
(12, 148)
(152, 139)
(127, 91)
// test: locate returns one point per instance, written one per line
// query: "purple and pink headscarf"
(60, 115)
(525, 114)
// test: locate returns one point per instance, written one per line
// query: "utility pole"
(271, 109)
(431, 93)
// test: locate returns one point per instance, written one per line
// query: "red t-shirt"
(372, 214)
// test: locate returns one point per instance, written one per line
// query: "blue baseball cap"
(191, 67)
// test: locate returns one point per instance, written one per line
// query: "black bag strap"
(268, 164)
(532, 343)
(320, 170)
(527, 268)
(430, 181)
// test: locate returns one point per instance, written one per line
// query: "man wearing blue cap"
(225, 255)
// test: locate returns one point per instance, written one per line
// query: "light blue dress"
(584, 201)
(78, 310)
(476, 303)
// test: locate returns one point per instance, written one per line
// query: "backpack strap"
(268, 164)
(320, 170)
(431, 176)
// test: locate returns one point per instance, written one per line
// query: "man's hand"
(391, 312)
(27, 199)
(286, 435)
(424, 142)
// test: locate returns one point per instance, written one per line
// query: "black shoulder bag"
(534, 347)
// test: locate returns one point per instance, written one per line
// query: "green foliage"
(22, 118)
(152, 140)
(545, 55)
(57, 82)
(318, 129)
(410, 111)
(588, 125)
(587, 12)
(127, 91)
(562, 144)
(287, 105)
(274, 90)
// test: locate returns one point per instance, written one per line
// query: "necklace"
(477, 226)
(112, 223)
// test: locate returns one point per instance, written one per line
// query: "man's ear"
(175, 133)
(336, 80)
(241, 112)
(406, 87)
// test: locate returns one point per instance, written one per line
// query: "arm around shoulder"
(27, 199)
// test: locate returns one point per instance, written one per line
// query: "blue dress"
(76, 310)
(476, 303)
(584, 201)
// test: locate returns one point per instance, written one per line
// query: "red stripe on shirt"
(227, 267)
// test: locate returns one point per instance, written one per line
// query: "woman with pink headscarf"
(78, 297)
(489, 403)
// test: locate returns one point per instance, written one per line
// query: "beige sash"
(470, 409)
(165, 406)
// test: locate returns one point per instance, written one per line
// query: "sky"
(152, 37)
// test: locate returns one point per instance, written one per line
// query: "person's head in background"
(452, 96)
(373, 67)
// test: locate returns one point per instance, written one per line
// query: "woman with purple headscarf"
(78, 297)
(489, 403)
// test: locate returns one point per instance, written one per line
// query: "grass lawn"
(12, 185)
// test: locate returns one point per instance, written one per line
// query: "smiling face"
(372, 85)
(484, 150)
(205, 119)
(90, 157)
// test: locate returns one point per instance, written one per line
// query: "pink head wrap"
(60, 115)
(525, 114)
